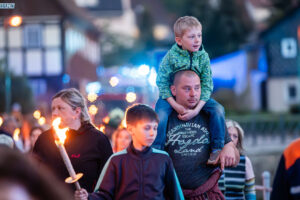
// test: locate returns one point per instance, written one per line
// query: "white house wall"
(279, 99)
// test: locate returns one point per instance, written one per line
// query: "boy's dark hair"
(138, 112)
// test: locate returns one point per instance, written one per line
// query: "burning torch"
(59, 141)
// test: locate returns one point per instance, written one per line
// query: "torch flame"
(16, 134)
(61, 133)
(1, 121)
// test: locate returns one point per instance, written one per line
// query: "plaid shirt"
(178, 59)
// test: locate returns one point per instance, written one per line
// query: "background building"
(57, 45)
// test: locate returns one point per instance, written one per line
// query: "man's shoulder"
(2, 132)
(292, 153)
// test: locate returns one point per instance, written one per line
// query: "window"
(292, 91)
(33, 36)
(34, 62)
(53, 62)
(52, 36)
(38, 86)
(2, 38)
(15, 62)
(15, 37)
(288, 48)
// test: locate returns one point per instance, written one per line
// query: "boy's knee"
(163, 116)
(216, 110)
(220, 110)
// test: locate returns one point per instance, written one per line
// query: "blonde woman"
(87, 147)
(238, 182)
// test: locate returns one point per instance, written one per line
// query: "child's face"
(123, 140)
(233, 133)
(143, 133)
(191, 40)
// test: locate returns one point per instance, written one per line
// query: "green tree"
(280, 8)
(20, 93)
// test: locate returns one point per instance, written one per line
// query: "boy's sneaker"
(214, 156)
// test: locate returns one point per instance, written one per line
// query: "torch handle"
(77, 185)
(68, 164)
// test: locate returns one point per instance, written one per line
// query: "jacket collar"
(179, 50)
(139, 154)
(85, 126)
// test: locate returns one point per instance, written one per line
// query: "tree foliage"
(20, 93)
(280, 8)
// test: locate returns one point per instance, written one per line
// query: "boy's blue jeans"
(216, 123)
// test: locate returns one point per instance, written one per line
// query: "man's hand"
(229, 156)
(81, 194)
(189, 114)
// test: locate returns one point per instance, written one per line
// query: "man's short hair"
(187, 73)
(9, 124)
(183, 24)
(6, 140)
(139, 112)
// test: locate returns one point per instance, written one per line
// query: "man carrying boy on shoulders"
(188, 143)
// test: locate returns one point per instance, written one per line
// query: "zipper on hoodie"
(191, 60)
(143, 192)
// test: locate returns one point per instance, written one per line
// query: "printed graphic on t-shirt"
(187, 139)
(188, 144)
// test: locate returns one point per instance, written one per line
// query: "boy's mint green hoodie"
(178, 59)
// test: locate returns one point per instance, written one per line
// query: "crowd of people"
(184, 149)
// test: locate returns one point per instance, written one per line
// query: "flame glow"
(93, 110)
(92, 97)
(1, 121)
(130, 97)
(42, 121)
(15, 21)
(114, 81)
(102, 128)
(37, 114)
(106, 119)
(61, 133)
(16, 134)
(123, 123)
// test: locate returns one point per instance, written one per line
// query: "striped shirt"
(236, 184)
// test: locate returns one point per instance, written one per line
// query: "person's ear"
(178, 40)
(78, 111)
(130, 129)
(173, 90)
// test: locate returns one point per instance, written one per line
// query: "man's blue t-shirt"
(188, 144)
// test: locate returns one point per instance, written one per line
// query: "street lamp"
(13, 21)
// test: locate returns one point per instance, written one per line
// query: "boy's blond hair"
(182, 24)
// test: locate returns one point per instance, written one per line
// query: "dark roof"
(158, 11)
(64, 8)
(107, 8)
(280, 21)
